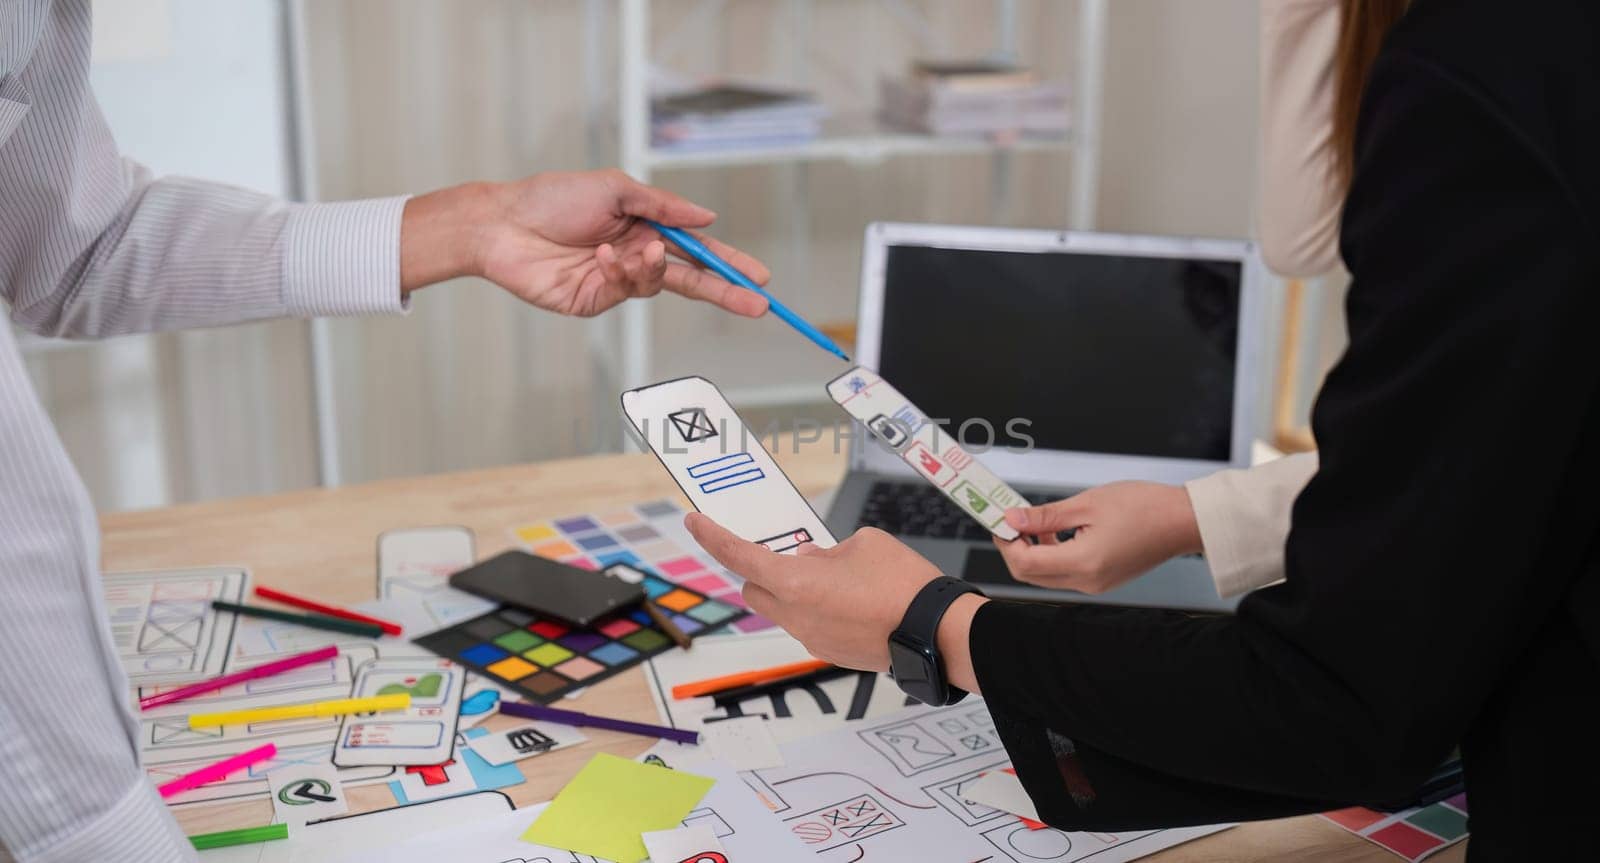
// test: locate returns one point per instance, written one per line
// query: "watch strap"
(927, 609)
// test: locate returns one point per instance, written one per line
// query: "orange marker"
(330, 610)
(747, 678)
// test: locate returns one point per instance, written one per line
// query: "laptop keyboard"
(918, 509)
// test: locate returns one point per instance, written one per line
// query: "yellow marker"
(313, 710)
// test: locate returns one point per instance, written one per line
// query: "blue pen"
(697, 250)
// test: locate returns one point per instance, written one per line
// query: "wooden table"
(323, 542)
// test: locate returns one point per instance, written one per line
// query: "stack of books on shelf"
(727, 116)
(979, 98)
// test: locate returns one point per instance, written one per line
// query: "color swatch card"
(648, 536)
(721, 465)
(611, 801)
(424, 733)
(544, 659)
(936, 456)
(1414, 833)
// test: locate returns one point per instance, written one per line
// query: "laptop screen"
(1103, 353)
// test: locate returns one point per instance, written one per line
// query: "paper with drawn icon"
(936, 456)
(721, 465)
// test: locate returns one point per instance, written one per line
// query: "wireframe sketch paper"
(792, 712)
(893, 789)
(414, 565)
(747, 831)
(169, 748)
(424, 734)
(937, 457)
(745, 742)
(721, 465)
(164, 626)
(361, 837)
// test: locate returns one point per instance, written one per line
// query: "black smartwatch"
(914, 648)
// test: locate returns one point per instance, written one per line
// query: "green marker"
(315, 621)
(243, 836)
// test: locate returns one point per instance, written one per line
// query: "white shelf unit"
(625, 352)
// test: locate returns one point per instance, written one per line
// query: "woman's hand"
(1123, 530)
(571, 243)
(841, 602)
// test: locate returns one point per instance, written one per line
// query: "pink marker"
(217, 771)
(264, 670)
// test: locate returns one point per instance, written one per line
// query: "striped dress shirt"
(92, 246)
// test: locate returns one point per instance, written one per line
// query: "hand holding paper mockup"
(721, 465)
(936, 456)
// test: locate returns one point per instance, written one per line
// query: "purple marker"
(581, 720)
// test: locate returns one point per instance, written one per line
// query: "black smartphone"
(548, 587)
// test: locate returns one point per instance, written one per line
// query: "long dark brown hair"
(1363, 24)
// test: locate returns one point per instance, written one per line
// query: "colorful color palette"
(1411, 833)
(545, 660)
(649, 536)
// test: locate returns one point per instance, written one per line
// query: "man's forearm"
(443, 234)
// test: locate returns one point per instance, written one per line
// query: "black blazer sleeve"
(1443, 528)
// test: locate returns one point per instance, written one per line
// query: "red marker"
(264, 670)
(330, 610)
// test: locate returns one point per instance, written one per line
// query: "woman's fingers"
(1054, 565)
(1049, 518)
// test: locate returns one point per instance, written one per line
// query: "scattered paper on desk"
(463, 774)
(848, 793)
(610, 802)
(306, 792)
(525, 741)
(163, 624)
(697, 844)
(745, 826)
(374, 835)
(424, 734)
(414, 565)
(745, 742)
(1002, 790)
(169, 748)
(481, 697)
(792, 712)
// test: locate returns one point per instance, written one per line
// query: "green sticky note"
(610, 802)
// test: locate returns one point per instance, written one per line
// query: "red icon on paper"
(432, 774)
(929, 465)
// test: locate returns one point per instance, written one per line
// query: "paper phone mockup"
(936, 456)
(721, 465)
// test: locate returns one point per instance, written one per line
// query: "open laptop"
(1122, 357)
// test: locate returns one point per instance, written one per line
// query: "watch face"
(916, 669)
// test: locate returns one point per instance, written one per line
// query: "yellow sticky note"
(610, 802)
